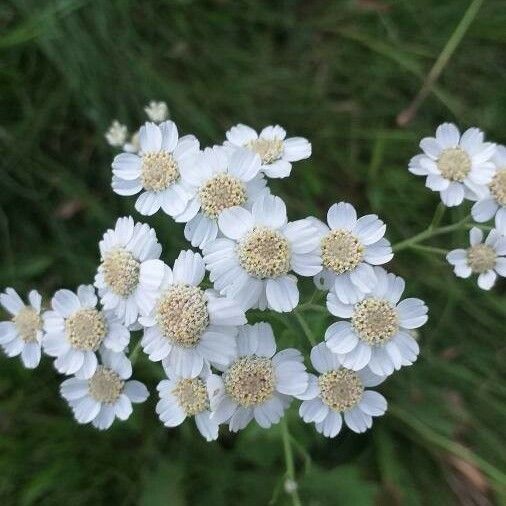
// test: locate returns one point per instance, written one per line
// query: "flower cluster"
(221, 369)
(465, 167)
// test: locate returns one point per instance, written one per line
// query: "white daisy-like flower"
(487, 259)
(339, 393)
(259, 383)
(130, 273)
(349, 248)
(219, 182)
(188, 326)
(182, 397)
(155, 170)
(107, 394)
(252, 263)
(276, 152)
(494, 204)
(455, 165)
(116, 134)
(22, 335)
(157, 111)
(378, 333)
(76, 329)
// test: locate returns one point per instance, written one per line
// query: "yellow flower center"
(105, 385)
(121, 271)
(375, 320)
(264, 253)
(454, 164)
(86, 329)
(341, 251)
(481, 258)
(498, 186)
(191, 395)
(221, 192)
(28, 322)
(159, 170)
(340, 390)
(269, 150)
(250, 380)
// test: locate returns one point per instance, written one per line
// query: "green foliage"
(336, 72)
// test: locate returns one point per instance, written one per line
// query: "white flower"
(494, 204)
(181, 397)
(157, 111)
(219, 183)
(130, 273)
(75, 330)
(378, 333)
(337, 393)
(187, 326)
(487, 259)
(133, 145)
(276, 152)
(117, 134)
(155, 170)
(252, 263)
(23, 333)
(456, 166)
(107, 394)
(259, 382)
(349, 248)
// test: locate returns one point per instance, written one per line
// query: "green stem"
(305, 327)
(290, 467)
(430, 249)
(135, 352)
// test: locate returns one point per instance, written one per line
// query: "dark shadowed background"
(336, 72)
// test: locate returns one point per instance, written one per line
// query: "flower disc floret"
(481, 258)
(375, 320)
(28, 322)
(250, 380)
(341, 251)
(182, 315)
(264, 253)
(269, 150)
(105, 385)
(191, 395)
(86, 329)
(121, 271)
(498, 187)
(454, 164)
(221, 192)
(159, 170)
(340, 389)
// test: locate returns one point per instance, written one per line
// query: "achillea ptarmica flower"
(276, 152)
(188, 326)
(337, 393)
(494, 204)
(157, 111)
(220, 182)
(182, 397)
(22, 335)
(155, 170)
(253, 261)
(75, 330)
(349, 248)
(487, 259)
(259, 383)
(107, 394)
(457, 166)
(130, 273)
(117, 134)
(378, 333)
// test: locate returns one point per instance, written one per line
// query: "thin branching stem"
(289, 463)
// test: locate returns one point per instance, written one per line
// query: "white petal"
(338, 308)
(74, 388)
(484, 210)
(447, 135)
(200, 230)
(346, 291)
(357, 420)
(127, 166)
(323, 359)
(278, 169)
(244, 164)
(269, 211)
(342, 216)
(150, 138)
(170, 135)
(225, 311)
(136, 391)
(35, 299)
(8, 332)
(189, 268)
(86, 409)
(412, 313)
(475, 236)
(105, 417)
(282, 293)
(235, 222)
(268, 413)
(369, 229)
(148, 203)
(340, 337)
(296, 148)
(123, 407)
(126, 188)
(241, 134)
(313, 410)
(331, 425)
(273, 132)
(70, 362)
(378, 253)
(291, 377)
(436, 182)
(312, 389)
(486, 280)
(431, 147)
(87, 296)
(240, 419)
(457, 257)
(453, 195)
(218, 348)
(358, 358)
(206, 426)
(363, 277)
(302, 235)
(187, 363)
(171, 414)
(31, 355)
(65, 302)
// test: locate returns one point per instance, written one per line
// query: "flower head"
(377, 334)
(252, 263)
(157, 111)
(156, 169)
(75, 329)
(494, 203)
(107, 394)
(349, 248)
(258, 383)
(219, 182)
(187, 326)
(130, 273)
(337, 393)
(486, 259)
(456, 165)
(22, 335)
(182, 397)
(276, 152)
(117, 134)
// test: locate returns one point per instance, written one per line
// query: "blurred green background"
(336, 72)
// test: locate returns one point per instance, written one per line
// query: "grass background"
(336, 72)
